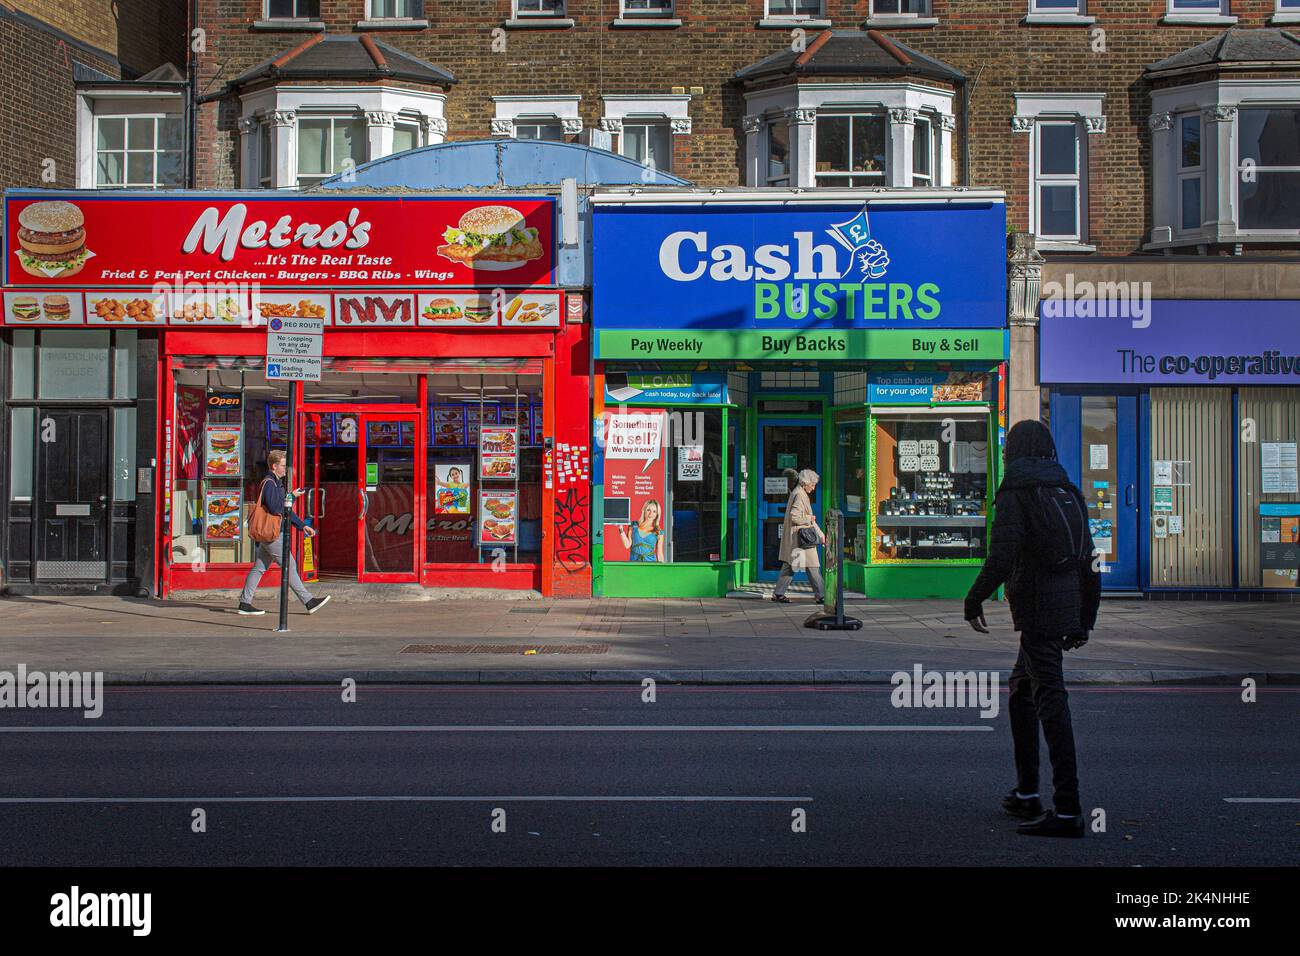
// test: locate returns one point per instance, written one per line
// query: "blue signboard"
(651, 388)
(800, 266)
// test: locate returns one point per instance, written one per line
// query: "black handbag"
(807, 538)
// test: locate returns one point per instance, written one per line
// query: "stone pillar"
(433, 129)
(284, 144)
(249, 127)
(379, 129)
(803, 164)
(755, 174)
(1164, 211)
(943, 165)
(1025, 276)
(1218, 152)
(902, 131)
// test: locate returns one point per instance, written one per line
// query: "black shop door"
(72, 494)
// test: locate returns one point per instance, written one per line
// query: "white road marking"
(1261, 799)
(568, 798)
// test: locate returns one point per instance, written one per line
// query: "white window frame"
(783, 181)
(769, 17)
(520, 14)
(642, 14)
(1188, 173)
(531, 109)
(126, 151)
(409, 119)
(372, 17)
(649, 122)
(932, 146)
(666, 109)
(1286, 11)
(1078, 179)
(1221, 16)
(333, 117)
(265, 158)
(880, 178)
(884, 18)
(1058, 16)
(1238, 170)
(538, 122)
(295, 18)
(1086, 111)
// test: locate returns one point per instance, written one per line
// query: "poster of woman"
(644, 538)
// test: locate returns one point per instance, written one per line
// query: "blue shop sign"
(800, 266)
(649, 388)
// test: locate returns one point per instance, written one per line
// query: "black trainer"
(1053, 826)
(245, 608)
(780, 599)
(315, 604)
(1027, 808)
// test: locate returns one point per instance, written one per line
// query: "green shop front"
(742, 338)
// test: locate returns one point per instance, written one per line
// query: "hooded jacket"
(1044, 603)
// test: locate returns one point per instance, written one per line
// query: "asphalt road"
(700, 784)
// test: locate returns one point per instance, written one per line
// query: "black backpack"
(1058, 525)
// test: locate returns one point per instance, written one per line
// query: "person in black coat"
(1053, 611)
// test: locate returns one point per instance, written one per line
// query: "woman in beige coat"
(799, 514)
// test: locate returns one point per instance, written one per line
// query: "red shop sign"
(92, 240)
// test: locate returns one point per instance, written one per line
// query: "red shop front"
(459, 433)
(445, 442)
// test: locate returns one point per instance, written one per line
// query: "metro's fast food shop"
(742, 334)
(454, 372)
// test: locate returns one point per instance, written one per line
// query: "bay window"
(328, 145)
(1268, 168)
(851, 149)
(923, 152)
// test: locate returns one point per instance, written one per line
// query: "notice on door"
(1278, 468)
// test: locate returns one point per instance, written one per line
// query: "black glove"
(972, 609)
(1071, 641)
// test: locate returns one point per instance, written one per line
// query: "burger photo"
(24, 308)
(443, 310)
(57, 308)
(491, 237)
(478, 311)
(52, 239)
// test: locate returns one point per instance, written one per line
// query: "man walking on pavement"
(1041, 548)
(272, 497)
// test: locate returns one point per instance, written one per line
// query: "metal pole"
(286, 530)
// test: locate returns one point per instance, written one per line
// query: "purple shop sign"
(1183, 341)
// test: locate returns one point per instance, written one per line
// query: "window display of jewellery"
(934, 514)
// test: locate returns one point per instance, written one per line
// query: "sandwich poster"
(498, 451)
(67, 238)
(222, 451)
(498, 517)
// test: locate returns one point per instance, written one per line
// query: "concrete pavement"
(199, 638)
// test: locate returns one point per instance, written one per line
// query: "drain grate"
(529, 610)
(505, 648)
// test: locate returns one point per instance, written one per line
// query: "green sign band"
(859, 344)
